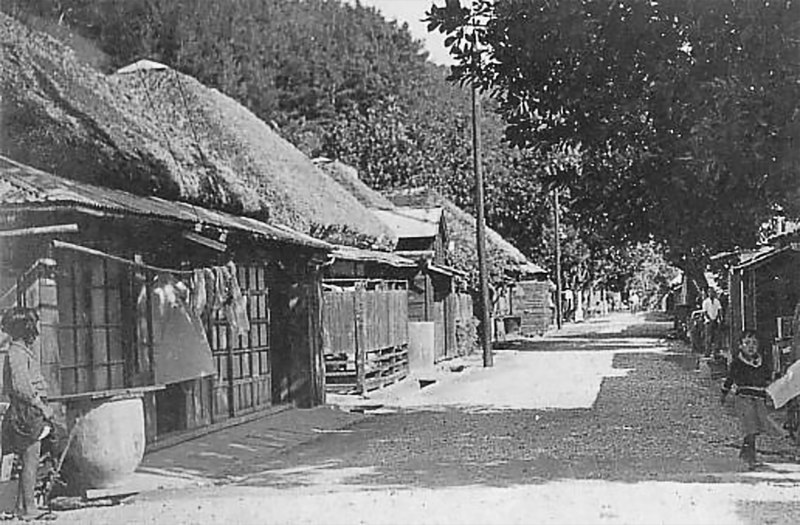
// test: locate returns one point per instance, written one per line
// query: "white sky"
(412, 11)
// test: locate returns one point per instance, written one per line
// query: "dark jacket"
(749, 380)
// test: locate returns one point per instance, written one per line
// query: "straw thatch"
(505, 261)
(347, 176)
(159, 132)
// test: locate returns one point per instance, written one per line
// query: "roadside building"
(163, 175)
(221, 314)
(764, 290)
(520, 290)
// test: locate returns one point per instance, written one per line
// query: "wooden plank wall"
(450, 324)
(365, 338)
(464, 323)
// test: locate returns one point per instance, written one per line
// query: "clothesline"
(91, 251)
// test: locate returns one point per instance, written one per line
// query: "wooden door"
(243, 382)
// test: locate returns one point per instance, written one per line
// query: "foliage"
(683, 112)
(340, 81)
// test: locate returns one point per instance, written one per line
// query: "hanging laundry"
(220, 287)
(199, 291)
(211, 288)
(180, 346)
(236, 305)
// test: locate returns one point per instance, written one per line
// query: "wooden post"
(361, 338)
(317, 360)
(486, 321)
(557, 235)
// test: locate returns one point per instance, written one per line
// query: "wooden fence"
(466, 334)
(365, 334)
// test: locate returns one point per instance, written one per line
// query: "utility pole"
(557, 223)
(486, 338)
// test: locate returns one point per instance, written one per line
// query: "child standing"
(751, 375)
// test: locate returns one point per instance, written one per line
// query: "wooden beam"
(205, 241)
(40, 230)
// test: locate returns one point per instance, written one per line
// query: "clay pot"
(108, 442)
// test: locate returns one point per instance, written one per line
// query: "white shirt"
(711, 308)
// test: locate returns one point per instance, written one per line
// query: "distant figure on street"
(750, 375)
(634, 300)
(28, 418)
(712, 318)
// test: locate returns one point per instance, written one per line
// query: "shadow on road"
(660, 422)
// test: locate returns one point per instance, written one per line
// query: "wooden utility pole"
(486, 338)
(557, 235)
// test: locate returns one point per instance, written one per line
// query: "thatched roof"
(412, 223)
(504, 259)
(155, 131)
(23, 188)
(348, 177)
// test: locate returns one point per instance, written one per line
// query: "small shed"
(422, 236)
(365, 319)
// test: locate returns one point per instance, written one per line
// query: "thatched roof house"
(347, 177)
(153, 131)
(505, 260)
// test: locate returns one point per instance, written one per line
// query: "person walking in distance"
(712, 316)
(28, 418)
(750, 375)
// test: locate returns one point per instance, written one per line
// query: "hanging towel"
(236, 306)
(199, 291)
(786, 387)
(211, 288)
(220, 287)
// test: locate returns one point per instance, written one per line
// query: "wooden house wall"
(98, 346)
(761, 294)
(443, 323)
(420, 298)
(777, 287)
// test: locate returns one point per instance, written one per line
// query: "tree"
(340, 81)
(684, 112)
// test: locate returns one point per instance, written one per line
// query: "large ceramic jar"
(108, 440)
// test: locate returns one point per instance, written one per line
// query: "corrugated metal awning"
(355, 254)
(445, 270)
(760, 257)
(25, 188)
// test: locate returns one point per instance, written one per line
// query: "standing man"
(634, 300)
(712, 316)
(28, 418)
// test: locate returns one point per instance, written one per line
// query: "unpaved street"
(599, 424)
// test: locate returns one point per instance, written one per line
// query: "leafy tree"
(684, 112)
(337, 80)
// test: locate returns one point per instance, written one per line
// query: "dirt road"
(597, 424)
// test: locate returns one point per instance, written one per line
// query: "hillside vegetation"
(337, 80)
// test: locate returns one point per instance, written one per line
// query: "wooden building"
(422, 235)
(520, 288)
(365, 319)
(114, 277)
(764, 290)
